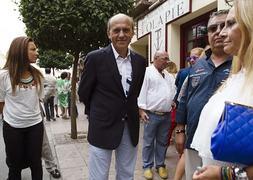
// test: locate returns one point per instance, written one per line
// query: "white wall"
(2, 60)
(199, 7)
(222, 5)
(173, 43)
(198, 4)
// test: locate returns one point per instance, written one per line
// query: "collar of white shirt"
(116, 54)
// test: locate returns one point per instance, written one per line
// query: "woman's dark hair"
(64, 75)
(17, 62)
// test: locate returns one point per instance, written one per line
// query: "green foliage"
(55, 59)
(70, 25)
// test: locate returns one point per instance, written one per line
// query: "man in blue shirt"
(203, 80)
(183, 73)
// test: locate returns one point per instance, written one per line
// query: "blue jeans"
(49, 108)
(155, 140)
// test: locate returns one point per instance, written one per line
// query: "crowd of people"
(118, 90)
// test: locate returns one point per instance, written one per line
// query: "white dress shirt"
(157, 92)
(49, 85)
(125, 69)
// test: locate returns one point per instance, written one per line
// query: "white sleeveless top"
(212, 111)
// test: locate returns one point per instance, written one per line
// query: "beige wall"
(140, 49)
(199, 4)
(222, 5)
(173, 43)
(140, 46)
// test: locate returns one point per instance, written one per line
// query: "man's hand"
(1, 107)
(173, 105)
(180, 139)
(143, 115)
(209, 172)
(249, 171)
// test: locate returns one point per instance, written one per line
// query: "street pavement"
(72, 155)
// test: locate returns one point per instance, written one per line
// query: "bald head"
(160, 53)
(161, 59)
(119, 17)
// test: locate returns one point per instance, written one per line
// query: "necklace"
(27, 80)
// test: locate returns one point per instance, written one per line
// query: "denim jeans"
(155, 140)
(49, 107)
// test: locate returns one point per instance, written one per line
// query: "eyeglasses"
(213, 27)
(194, 58)
(165, 59)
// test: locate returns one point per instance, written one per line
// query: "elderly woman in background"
(238, 88)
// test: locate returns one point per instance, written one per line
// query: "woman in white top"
(238, 41)
(20, 90)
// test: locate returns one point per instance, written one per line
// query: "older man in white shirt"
(49, 92)
(155, 102)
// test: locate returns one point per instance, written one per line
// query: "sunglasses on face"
(213, 27)
(190, 58)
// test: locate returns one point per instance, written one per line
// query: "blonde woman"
(237, 35)
(172, 68)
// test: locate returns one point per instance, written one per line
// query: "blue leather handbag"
(232, 140)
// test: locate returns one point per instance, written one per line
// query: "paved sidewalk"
(72, 155)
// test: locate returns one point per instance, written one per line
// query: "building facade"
(176, 26)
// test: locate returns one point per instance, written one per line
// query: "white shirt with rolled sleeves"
(157, 92)
(49, 85)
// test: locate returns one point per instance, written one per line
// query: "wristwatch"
(178, 131)
(240, 174)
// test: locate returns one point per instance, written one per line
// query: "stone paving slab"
(72, 155)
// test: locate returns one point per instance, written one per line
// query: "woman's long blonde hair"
(244, 17)
(17, 63)
(244, 59)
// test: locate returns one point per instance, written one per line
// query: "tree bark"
(73, 98)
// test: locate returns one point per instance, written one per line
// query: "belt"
(158, 113)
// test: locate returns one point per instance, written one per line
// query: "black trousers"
(49, 108)
(23, 148)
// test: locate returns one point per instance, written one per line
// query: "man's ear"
(108, 34)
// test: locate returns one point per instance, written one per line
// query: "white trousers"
(125, 160)
(192, 161)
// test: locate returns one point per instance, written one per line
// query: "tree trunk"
(73, 98)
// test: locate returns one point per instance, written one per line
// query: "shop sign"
(155, 22)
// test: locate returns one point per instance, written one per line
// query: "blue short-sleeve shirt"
(203, 80)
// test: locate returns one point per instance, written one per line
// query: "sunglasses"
(213, 27)
(167, 59)
(194, 58)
